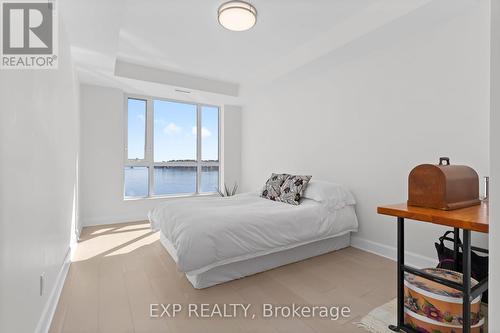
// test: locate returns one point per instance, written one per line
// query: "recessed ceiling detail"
(290, 34)
(176, 79)
(237, 15)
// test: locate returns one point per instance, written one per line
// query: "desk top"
(473, 218)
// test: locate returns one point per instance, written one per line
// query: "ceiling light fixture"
(237, 15)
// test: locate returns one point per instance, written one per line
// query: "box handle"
(444, 159)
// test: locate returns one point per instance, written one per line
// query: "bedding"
(333, 196)
(272, 187)
(251, 266)
(292, 189)
(207, 232)
(285, 188)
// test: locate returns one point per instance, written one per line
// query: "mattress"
(204, 233)
(240, 269)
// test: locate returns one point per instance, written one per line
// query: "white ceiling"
(184, 36)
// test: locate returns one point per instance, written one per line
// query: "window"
(171, 148)
(136, 129)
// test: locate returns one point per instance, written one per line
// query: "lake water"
(170, 180)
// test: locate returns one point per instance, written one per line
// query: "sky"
(174, 131)
(136, 128)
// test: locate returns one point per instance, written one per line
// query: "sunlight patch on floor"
(135, 245)
(108, 241)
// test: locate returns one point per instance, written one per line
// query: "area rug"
(378, 320)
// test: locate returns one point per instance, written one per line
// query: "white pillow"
(332, 195)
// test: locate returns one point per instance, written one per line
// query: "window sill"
(173, 196)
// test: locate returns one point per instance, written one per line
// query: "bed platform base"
(252, 266)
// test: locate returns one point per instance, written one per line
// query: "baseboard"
(51, 305)
(390, 252)
(90, 222)
(78, 232)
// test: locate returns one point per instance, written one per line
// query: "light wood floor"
(119, 270)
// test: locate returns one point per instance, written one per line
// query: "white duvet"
(206, 232)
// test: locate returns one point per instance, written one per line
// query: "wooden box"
(443, 186)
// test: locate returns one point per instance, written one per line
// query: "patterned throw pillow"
(292, 189)
(272, 187)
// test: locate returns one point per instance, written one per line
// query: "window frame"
(145, 130)
(148, 160)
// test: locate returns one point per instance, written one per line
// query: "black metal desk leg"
(456, 249)
(400, 269)
(467, 279)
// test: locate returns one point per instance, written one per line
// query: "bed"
(215, 240)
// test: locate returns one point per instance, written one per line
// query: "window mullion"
(198, 147)
(150, 145)
(125, 133)
(219, 148)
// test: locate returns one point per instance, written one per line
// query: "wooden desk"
(473, 218)
(468, 219)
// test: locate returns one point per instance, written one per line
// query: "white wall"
(101, 162)
(365, 115)
(38, 186)
(494, 278)
(232, 145)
